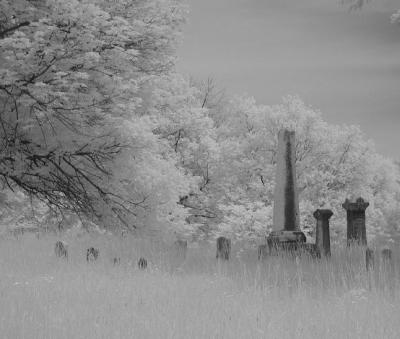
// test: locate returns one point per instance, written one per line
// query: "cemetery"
(144, 194)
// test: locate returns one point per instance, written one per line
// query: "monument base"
(290, 242)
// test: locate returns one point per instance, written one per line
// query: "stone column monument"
(322, 238)
(286, 232)
(356, 231)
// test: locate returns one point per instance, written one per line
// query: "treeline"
(95, 121)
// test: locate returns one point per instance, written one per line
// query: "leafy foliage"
(96, 121)
(69, 93)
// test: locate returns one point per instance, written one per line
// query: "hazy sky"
(345, 64)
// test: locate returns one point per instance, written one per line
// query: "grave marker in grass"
(356, 231)
(223, 248)
(322, 238)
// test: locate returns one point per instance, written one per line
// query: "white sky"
(345, 64)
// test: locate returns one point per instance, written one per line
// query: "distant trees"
(333, 162)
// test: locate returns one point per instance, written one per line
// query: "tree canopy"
(96, 121)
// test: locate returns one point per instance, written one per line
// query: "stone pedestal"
(285, 240)
(322, 238)
(356, 231)
(286, 234)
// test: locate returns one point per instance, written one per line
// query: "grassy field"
(45, 297)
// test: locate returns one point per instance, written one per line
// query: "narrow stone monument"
(356, 231)
(286, 232)
(322, 237)
(223, 248)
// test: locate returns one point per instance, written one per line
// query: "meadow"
(47, 297)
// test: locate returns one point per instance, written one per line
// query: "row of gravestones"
(356, 235)
(61, 251)
(92, 254)
(224, 249)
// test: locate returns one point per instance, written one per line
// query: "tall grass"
(46, 297)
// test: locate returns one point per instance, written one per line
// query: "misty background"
(344, 63)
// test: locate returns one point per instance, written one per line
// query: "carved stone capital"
(322, 214)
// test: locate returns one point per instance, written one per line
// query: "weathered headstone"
(369, 259)
(61, 249)
(142, 263)
(263, 251)
(223, 248)
(92, 254)
(322, 237)
(286, 232)
(356, 231)
(180, 247)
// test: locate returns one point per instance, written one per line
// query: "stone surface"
(223, 248)
(322, 238)
(356, 230)
(286, 204)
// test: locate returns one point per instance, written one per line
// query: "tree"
(69, 94)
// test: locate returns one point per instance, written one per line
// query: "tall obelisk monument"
(286, 227)
(286, 201)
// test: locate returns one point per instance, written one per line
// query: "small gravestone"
(369, 259)
(61, 249)
(263, 252)
(386, 254)
(387, 260)
(286, 234)
(387, 271)
(322, 238)
(223, 248)
(180, 247)
(356, 231)
(92, 254)
(142, 263)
